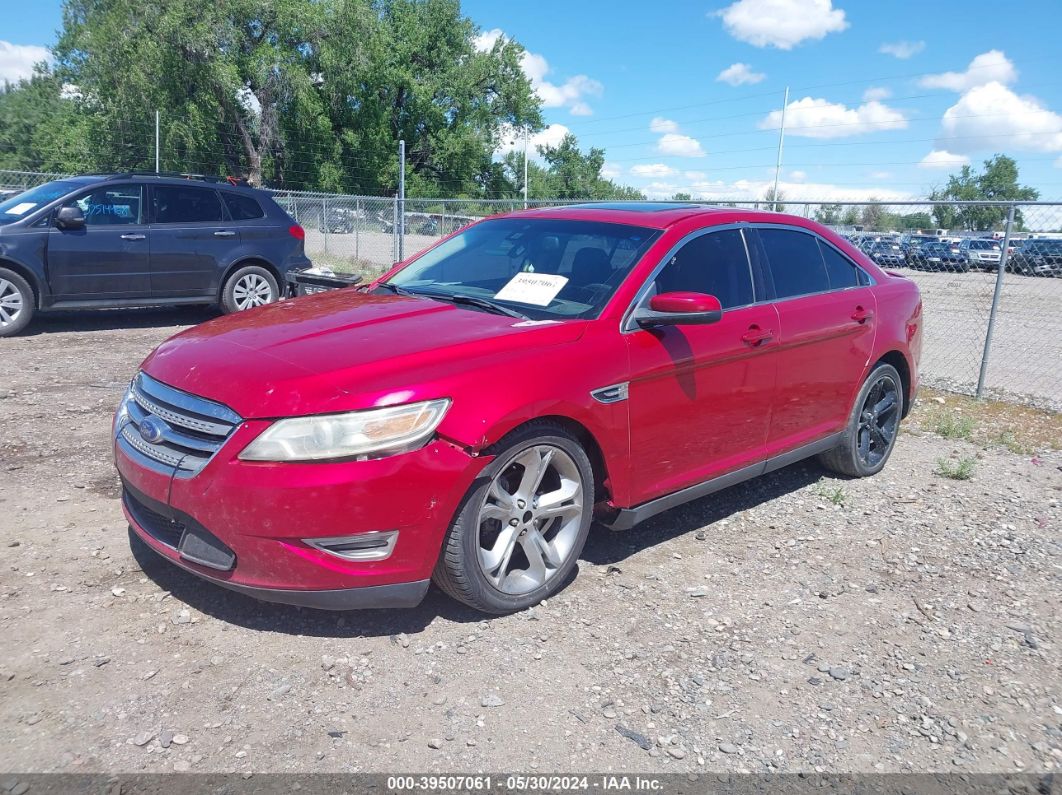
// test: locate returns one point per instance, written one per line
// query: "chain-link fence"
(988, 332)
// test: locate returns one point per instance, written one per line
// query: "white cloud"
(988, 67)
(611, 170)
(738, 74)
(679, 145)
(749, 190)
(781, 23)
(798, 176)
(876, 94)
(652, 170)
(991, 117)
(17, 60)
(942, 159)
(902, 49)
(818, 118)
(570, 94)
(660, 125)
(880, 175)
(694, 176)
(513, 140)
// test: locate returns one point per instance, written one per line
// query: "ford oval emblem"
(152, 429)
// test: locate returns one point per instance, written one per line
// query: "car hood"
(343, 350)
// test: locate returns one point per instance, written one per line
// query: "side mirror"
(680, 309)
(70, 218)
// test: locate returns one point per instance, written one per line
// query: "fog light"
(377, 545)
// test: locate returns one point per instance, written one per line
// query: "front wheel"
(870, 435)
(16, 303)
(249, 287)
(522, 525)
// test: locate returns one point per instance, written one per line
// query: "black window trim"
(627, 324)
(871, 281)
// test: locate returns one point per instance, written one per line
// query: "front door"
(191, 241)
(109, 257)
(700, 397)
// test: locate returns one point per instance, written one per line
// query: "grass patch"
(834, 494)
(1023, 430)
(962, 469)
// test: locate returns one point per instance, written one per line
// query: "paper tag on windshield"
(19, 209)
(537, 289)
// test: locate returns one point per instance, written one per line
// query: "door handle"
(861, 315)
(756, 336)
(224, 233)
(133, 236)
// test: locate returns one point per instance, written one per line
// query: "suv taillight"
(297, 232)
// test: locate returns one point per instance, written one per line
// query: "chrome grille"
(183, 431)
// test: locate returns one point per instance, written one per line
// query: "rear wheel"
(16, 303)
(870, 435)
(249, 287)
(522, 525)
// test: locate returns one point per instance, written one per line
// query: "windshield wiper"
(479, 303)
(396, 289)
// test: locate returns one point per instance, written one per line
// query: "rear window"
(796, 263)
(242, 208)
(178, 204)
(841, 271)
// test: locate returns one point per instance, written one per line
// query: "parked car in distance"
(983, 253)
(507, 385)
(940, 256)
(887, 254)
(910, 243)
(124, 240)
(1037, 257)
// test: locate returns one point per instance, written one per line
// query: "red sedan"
(464, 418)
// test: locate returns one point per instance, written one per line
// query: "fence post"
(401, 200)
(995, 302)
(324, 220)
(357, 229)
(394, 229)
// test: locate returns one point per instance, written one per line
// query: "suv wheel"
(872, 428)
(16, 303)
(522, 525)
(249, 287)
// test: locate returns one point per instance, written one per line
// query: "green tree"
(682, 197)
(873, 216)
(998, 181)
(773, 201)
(850, 216)
(572, 174)
(829, 214)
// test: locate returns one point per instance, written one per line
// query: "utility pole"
(156, 142)
(781, 141)
(401, 199)
(527, 130)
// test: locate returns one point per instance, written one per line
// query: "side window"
(796, 263)
(841, 271)
(177, 204)
(714, 263)
(114, 205)
(242, 208)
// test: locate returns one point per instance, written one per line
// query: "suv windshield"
(984, 245)
(17, 206)
(541, 268)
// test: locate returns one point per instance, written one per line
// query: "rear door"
(192, 241)
(826, 319)
(109, 257)
(700, 396)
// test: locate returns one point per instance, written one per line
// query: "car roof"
(163, 179)
(655, 215)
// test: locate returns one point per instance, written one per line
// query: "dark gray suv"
(125, 240)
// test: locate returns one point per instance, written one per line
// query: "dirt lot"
(908, 622)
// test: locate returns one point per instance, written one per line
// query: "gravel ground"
(800, 622)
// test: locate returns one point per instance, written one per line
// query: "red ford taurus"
(464, 418)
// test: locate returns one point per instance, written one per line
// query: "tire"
(482, 554)
(249, 287)
(862, 451)
(17, 303)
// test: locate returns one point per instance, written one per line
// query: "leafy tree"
(829, 214)
(682, 197)
(850, 216)
(773, 201)
(998, 181)
(873, 216)
(571, 174)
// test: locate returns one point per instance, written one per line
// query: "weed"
(962, 469)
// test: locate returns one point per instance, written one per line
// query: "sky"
(886, 99)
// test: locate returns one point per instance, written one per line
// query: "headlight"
(122, 414)
(387, 430)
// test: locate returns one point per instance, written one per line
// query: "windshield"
(26, 202)
(984, 245)
(542, 268)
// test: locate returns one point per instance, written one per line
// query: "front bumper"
(242, 524)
